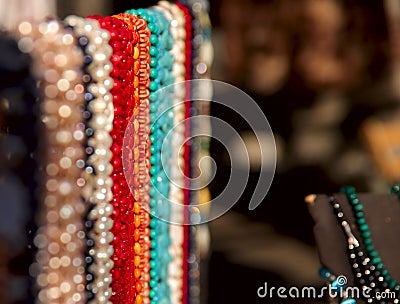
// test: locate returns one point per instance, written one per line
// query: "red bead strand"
(187, 152)
(140, 183)
(125, 94)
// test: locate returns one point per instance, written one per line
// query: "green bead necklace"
(366, 236)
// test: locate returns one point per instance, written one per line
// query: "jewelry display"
(103, 159)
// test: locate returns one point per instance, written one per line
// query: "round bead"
(153, 39)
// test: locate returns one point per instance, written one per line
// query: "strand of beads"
(366, 236)
(161, 184)
(366, 274)
(143, 161)
(144, 155)
(140, 128)
(159, 181)
(201, 60)
(59, 267)
(201, 42)
(154, 40)
(86, 174)
(191, 248)
(136, 147)
(177, 21)
(97, 193)
(188, 195)
(125, 100)
(160, 75)
(19, 134)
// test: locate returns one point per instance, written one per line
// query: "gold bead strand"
(59, 267)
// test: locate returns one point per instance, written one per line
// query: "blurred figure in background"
(319, 69)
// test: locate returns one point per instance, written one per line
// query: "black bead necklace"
(367, 277)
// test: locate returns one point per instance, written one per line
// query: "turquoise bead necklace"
(165, 122)
(367, 266)
(366, 236)
(366, 274)
(160, 75)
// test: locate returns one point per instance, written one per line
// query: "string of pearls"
(97, 191)
(125, 94)
(203, 55)
(176, 195)
(59, 267)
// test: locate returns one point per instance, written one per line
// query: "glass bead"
(358, 207)
(153, 63)
(364, 228)
(153, 39)
(153, 52)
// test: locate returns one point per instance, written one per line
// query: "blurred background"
(326, 74)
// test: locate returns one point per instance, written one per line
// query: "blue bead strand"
(160, 77)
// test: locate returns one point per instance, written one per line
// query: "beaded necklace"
(151, 280)
(143, 117)
(201, 57)
(366, 273)
(99, 114)
(160, 75)
(188, 231)
(133, 145)
(125, 100)
(366, 236)
(136, 147)
(59, 267)
(177, 21)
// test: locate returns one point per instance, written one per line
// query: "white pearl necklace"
(97, 190)
(175, 276)
(204, 55)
